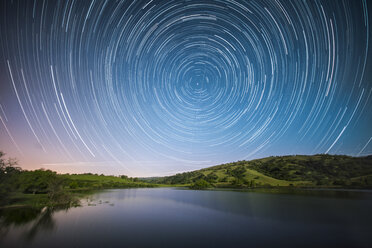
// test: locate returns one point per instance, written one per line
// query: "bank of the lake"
(45, 188)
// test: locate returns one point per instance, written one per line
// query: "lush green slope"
(316, 170)
(94, 181)
(319, 169)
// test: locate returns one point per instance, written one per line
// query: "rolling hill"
(320, 170)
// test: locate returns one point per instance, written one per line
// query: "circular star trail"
(156, 87)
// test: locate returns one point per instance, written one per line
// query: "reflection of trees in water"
(16, 217)
(38, 220)
(44, 222)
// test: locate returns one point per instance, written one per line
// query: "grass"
(40, 200)
(251, 175)
(97, 178)
(33, 200)
(94, 181)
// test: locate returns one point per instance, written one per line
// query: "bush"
(73, 185)
(200, 184)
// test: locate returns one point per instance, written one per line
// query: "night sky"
(148, 88)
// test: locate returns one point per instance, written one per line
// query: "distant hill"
(300, 170)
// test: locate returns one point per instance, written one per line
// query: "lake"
(169, 217)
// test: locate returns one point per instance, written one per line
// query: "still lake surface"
(168, 217)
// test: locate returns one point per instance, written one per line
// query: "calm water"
(166, 217)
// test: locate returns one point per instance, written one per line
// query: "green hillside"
(300, 170)
(94, 181)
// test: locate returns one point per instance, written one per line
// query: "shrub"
(201, 184)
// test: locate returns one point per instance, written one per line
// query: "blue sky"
(150, 88)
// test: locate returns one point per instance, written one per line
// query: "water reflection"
(31, 219)
(167, 217)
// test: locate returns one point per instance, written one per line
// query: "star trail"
(148, 88)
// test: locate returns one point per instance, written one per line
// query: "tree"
(8, 177)
(212, 177)
(7, 166)
(201, 184)
(42, 182)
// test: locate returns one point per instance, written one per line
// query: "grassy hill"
(94, 181)
(300, 170)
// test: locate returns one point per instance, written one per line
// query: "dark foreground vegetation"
(40, 188)
(319, 171)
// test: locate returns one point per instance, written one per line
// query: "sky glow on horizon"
(151, 88)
